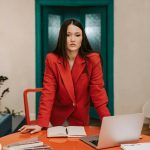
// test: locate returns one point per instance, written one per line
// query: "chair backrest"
(146, 109)
(26, 106)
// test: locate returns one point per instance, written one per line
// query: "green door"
(92, 18)
(95, 21)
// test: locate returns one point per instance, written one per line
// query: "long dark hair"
(60, 49)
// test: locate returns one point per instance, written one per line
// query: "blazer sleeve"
(97, 90)
(48, 94)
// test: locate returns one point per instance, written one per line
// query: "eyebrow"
(75, 32)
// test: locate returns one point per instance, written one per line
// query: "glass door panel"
(54, 23)
(93, 30)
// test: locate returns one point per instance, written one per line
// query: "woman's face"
(74, 38)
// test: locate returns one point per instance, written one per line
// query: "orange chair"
(26, 106)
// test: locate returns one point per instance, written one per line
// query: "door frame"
(39, 4)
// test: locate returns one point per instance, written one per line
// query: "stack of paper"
(25, 146)
(29, 144)
(137, 146)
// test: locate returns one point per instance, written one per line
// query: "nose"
(72, 38)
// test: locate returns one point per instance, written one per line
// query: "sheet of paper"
(137, 146)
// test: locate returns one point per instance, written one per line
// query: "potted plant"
(5, 118)
(6, 90)
(3, 91)
(10, 120)
(2, 94)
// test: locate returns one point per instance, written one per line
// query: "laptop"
(116, 130)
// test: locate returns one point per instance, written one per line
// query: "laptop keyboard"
(95, 142)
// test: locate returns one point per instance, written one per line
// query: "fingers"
(34, 131)
(25, 129)
(30, 128)
(22, 128)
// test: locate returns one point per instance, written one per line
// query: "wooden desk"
(61, 143)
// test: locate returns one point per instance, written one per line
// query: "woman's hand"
(30, 128)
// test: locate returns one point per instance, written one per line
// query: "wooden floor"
(145, 130)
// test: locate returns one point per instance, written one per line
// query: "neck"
(72, 55)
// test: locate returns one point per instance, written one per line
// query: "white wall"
(131, 55)
(17, 49)
(131, 52)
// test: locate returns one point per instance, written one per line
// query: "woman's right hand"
(30, 128)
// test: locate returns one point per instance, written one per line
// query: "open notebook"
(69, 131)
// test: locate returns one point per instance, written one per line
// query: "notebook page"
(56, 131)
(76, 131)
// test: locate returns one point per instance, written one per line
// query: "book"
(69, 131)
(29, 144)
(25, 146)
(137, 146)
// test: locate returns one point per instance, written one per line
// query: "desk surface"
(61, 143)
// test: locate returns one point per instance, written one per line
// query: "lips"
(72, 44)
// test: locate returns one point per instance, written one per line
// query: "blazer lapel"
(78, 68)
(67, 78)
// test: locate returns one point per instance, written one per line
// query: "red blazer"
(66, 93)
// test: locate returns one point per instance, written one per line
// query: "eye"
(68, 35)
(77, 35)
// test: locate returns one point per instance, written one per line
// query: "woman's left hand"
(30, 128)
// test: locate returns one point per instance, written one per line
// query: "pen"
(66, 131)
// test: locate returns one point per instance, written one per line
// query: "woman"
(73, 75)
